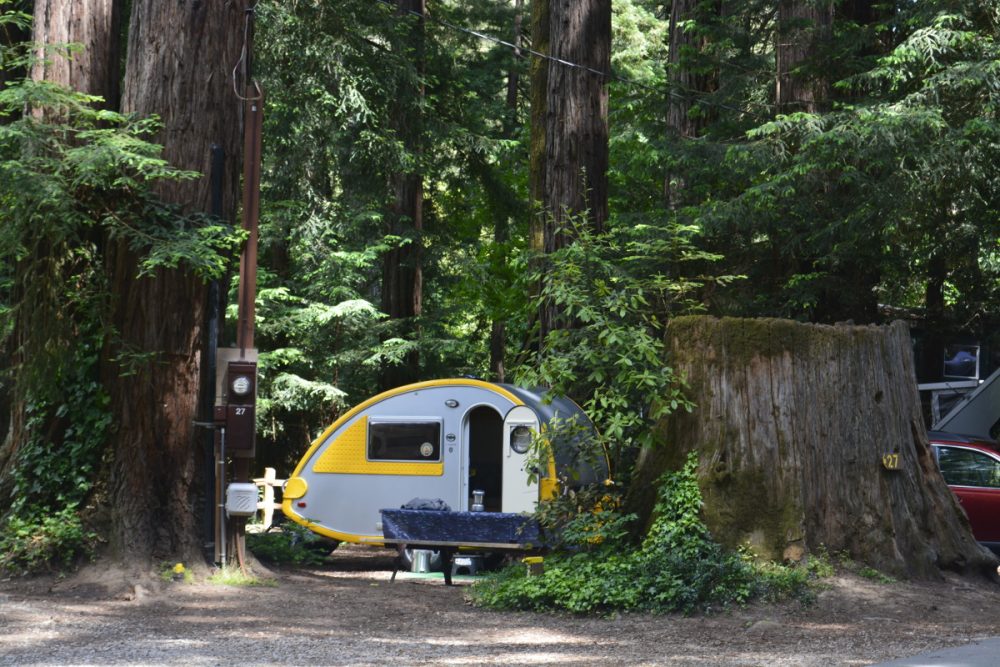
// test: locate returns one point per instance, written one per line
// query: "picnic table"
(447, 532)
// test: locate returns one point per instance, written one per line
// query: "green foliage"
(56, 466)
(614, 293)
(293, 545)
(676, 568)
(875, 575)
(45, 543)
(585, 519)
(889, 194)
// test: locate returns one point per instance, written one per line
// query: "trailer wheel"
(406, 559)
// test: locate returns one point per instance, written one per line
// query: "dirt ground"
(349, 613)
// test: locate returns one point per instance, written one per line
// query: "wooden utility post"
(240, 387)
(252, 131)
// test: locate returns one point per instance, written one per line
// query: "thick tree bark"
(804, 29)
(791, 426)
(402, 267)
(180, 56)
(569, 158)
(95, 25)
(688, 78)
(539, 74)
(576, 124)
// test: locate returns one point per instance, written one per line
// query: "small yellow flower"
(179, 568)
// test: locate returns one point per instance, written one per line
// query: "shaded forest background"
(830, 160)
(441, 199)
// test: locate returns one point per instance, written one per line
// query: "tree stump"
(791, 428)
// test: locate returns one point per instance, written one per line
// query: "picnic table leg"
(446, 556)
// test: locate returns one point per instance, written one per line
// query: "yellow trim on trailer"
(548, 486)
(361, 407)
(347, 455)
(286, 507)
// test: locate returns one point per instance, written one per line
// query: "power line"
(520, 52)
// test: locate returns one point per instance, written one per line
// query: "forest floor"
(348, 613)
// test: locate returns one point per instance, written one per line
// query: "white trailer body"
(438, 440)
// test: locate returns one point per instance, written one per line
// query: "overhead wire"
(521, 51)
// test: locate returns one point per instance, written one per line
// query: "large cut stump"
(792, 425)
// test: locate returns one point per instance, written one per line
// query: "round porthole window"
(520, 439)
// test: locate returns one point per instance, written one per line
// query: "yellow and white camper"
(442, 439)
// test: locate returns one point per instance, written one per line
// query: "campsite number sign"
(890, 461)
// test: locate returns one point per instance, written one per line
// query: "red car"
(971, 467)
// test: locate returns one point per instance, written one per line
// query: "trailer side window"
(404, 441)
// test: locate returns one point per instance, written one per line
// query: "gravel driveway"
(349, 614)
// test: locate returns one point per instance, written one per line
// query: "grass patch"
(875, 575)
(234, 576)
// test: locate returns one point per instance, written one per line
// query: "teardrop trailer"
(444, 440)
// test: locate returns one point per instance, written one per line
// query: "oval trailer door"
(518, 494)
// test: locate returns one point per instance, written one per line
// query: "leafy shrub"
(614, 293)
(45, 543)
(292, 545)
(678, 567)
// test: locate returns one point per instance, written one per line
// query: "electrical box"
(239, 397)
(241, 499)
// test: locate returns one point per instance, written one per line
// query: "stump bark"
(791, 427)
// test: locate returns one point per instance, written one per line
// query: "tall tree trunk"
(402, 269)
(935, 318)
(688, 76)
(791, 427)
(576, 123)
(180, 56)
(688, 79)
(501, 221)
(804, 30)
(537, 151)
(94, 24)
(573, 179)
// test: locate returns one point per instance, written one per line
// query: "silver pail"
(421, 561)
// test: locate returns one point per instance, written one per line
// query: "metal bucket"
(421, 561)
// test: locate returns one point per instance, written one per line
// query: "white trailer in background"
(977, 413)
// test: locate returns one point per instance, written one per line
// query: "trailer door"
(519, 426)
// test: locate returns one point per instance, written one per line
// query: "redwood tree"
(94, 25)
(179, 64)
(402, 270)
(804, 29)
(569, 151)
(689, 76)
